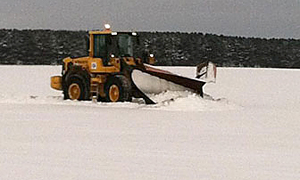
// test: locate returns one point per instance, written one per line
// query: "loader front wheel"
(114, 93)
(117, 89)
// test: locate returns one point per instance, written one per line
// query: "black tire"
(101, 99)
(117, 89)
(80, 77)
(76, 83)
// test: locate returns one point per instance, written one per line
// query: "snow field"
(246, 127)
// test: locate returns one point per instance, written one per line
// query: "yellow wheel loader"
(112, 73)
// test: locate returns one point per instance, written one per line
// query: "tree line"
(45, 47)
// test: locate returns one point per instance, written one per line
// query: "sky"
(247, 18)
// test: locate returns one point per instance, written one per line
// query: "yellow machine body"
(95, 67)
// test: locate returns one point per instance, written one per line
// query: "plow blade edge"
(154, 81)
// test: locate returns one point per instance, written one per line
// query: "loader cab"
(107, 44)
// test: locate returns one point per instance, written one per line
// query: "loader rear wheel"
(117, 89)
(76, 89)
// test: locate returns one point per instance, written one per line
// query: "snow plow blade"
(154, 81)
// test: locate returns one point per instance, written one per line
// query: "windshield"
(120, 45)
(125, 45)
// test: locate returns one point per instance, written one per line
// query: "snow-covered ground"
(246, 127)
